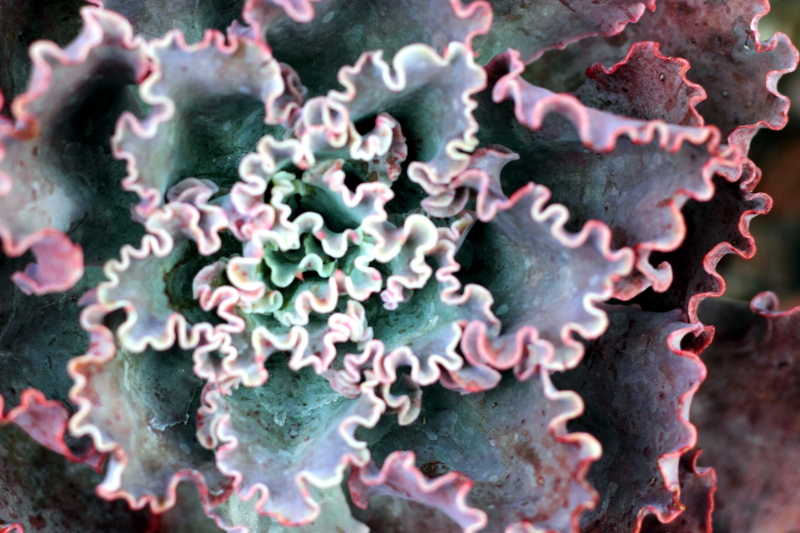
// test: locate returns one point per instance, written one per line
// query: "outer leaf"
(697, 496)
(531, 473)
(25, 22)
(720, 40)
(44, 491)
(638, 385)
(46, 185)
(752, 434)
(556, 136)
(714, 229)
(645, 85)
(45, 421)
(38, 337)
(261, 13)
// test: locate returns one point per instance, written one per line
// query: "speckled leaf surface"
(153, 19)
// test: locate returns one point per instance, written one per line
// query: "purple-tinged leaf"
(638, 384)
(720, 40)
(286, 436)
(646, 85)
(45, 491)
(745, 413)
(714, 229)
(140, 408)
(594, 161)
(47, 185)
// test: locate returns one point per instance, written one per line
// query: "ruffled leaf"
(594, 162)
(714, 229)
(140, 407)
(720, 40)
(697, 497)
(638, 385)
(511, 442)
(283, 438)
(411, 91)
(207, 106)
(548, 296)
(234, 515)
(54, 173)
(400, 479)
(44, 491)
(343, 30)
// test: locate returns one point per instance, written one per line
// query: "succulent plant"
(352, 265)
